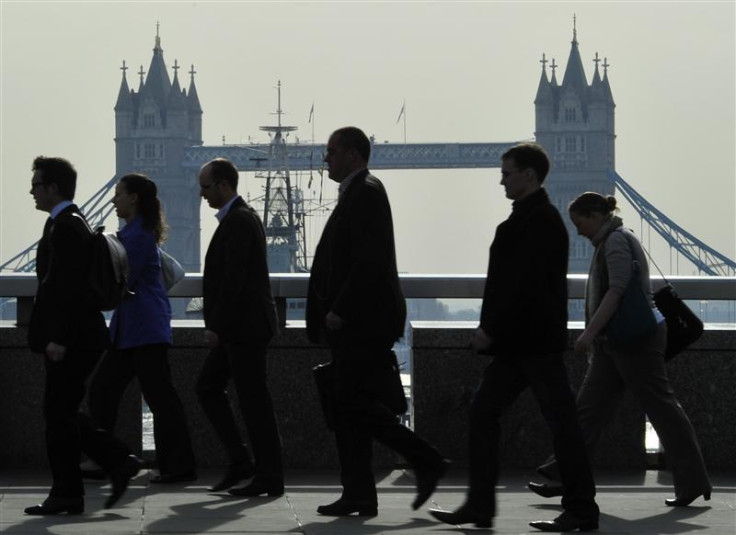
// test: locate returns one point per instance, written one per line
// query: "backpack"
(108, 269)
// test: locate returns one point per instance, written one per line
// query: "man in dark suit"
(523, 324)
(70, 332)
(355, 304)
(240, 319)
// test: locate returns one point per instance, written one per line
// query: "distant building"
(575, 125)
(153, 127)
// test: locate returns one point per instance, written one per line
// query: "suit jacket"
(354, 269)
(525, 299)
(238, 304)
(63, 312)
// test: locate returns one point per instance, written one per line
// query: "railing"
(444, 373)
(416, 286)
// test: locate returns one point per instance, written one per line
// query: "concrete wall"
(445, 374)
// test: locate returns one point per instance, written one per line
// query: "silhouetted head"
(218, 182)
(348, 150)
(136, 194)
(54, 180)
(523, 170)
(589, 210)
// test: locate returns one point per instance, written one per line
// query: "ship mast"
(282, 208)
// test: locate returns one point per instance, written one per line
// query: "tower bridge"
(158, 131)
(308, 157)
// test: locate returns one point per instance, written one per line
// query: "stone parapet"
(445, 373)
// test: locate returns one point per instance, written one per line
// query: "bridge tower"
(575, 125)
(153, 127)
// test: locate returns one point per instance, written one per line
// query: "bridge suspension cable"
(705, 258)
(96, 209)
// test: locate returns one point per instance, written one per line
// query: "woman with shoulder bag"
(141, 334)
(636, 363)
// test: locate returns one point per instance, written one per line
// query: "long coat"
(354, 270)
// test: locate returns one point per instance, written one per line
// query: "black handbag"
(683, 326)
(634, 318)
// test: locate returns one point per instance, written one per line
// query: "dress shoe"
(182, 477)
(544, 490)
(343, 507)
(121, 476)
(427, 481)
(236, 472)
(686, 500)
(566, 522)
(256, 488)
(466, 514)
(56, 505)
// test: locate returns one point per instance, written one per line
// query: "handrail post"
(281, 310)
(23, 310)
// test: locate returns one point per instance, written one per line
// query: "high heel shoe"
(684, 501)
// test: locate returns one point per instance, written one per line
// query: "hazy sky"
(467, 71)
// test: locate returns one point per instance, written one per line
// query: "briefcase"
(324, 377)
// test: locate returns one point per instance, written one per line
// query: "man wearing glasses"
(240, 319)
(71, 334)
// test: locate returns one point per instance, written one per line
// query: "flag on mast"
(311, 112)
(401, 113)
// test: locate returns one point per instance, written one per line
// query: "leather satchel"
(393, 390)
(683, 326)
(386, 383)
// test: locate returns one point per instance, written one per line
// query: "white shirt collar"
(222, 212)
(56, 210)
(347, 180)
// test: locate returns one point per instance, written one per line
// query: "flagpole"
(402, 113)
(404, 108)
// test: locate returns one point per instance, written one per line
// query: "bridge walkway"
(631, 503)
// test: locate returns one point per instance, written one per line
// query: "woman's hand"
(583, 343)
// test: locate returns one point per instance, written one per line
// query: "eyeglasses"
(208, 186)
(34, 185)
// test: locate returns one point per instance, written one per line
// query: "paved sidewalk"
(631, 503)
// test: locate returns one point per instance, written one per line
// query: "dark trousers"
(642, 370)
(68, 432)
(149, 363)
(362, 417)
(504, 379)
(245, 364)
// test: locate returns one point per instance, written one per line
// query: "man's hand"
(480, 341)
(334, 322)
(211, 338)
(55, 352)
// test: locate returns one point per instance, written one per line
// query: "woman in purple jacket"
(141, 334)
